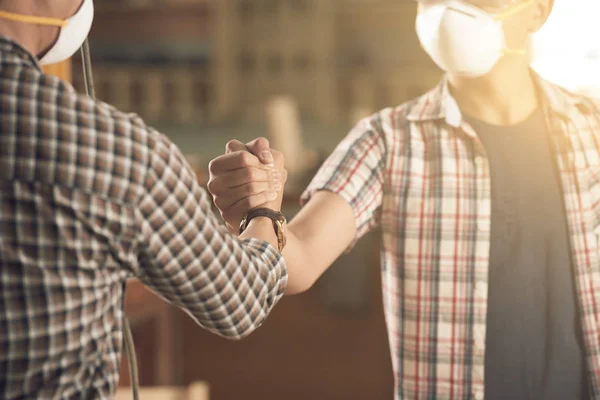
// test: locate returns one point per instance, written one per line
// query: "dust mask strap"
(508, 13)
(29, 19)
(514, 10)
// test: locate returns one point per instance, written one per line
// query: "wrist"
(261, 228)
(261, 218)
(260, 222)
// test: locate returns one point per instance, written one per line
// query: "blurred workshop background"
(300, 72)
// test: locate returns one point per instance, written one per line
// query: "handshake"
(247, 176)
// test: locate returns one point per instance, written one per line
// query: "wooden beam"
(62, 70)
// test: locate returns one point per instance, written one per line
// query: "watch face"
(282, 224)
(282, 218)
(281, 237)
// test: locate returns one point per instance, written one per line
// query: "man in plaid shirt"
(90, 197)
(487, 190)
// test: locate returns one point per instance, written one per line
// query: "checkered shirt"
(90, 197)
(420, 172)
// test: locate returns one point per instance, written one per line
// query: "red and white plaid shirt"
(421, 172)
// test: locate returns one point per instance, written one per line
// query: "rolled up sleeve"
(188, 257)
(356, 172)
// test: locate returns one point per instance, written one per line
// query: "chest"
(438, 204)
(441, 182)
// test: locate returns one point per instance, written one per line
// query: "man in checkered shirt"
(89, 197)
(487, 192)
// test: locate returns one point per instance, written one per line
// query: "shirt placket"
(479, 270)
(584, 244)
(568, 125)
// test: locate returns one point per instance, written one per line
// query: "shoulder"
(392, 123)
(77, 141)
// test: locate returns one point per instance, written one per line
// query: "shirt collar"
(12, 52)
(438, 104)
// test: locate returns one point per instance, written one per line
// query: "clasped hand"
(247, 176)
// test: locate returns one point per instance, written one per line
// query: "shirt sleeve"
(356, 172)
(188, 257)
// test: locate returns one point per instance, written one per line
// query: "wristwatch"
(279, 223)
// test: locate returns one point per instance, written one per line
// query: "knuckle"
(257, 146)
(219, 203)
(211, 166)
(246, 158)
(231, 145)
(212, 186)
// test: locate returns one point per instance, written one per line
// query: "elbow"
(245, 320)
(237, 331)
(239, 309)
(292, 291)
(236, 337)
(299, 286)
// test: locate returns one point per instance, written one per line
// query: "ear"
(542, 10)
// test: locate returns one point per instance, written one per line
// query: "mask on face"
(73, 31)
(463, 39)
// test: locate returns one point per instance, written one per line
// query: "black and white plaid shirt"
(90, 197)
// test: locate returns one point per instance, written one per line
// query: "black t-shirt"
(533, 345)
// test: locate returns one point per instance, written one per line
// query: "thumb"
(261, 148)
(234, 146)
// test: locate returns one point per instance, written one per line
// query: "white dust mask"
(463, 39)
(73, 31)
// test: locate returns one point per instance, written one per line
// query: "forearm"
(261, 228)
(317, 236)
(304, 266)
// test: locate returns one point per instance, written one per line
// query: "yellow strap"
(33, 20)
(514, 10)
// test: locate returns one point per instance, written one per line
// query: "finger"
(261, 148)
(233, 161)
(233, 146)
(278, 159)
(242, 192)
(226, 181)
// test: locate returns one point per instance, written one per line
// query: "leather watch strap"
(278, 223)
(263, 212)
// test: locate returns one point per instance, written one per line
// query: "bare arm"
(317, 236)
(345, 199)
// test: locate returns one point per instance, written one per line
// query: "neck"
(505, 96)
(34, 38)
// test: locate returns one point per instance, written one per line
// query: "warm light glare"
(567, 48)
